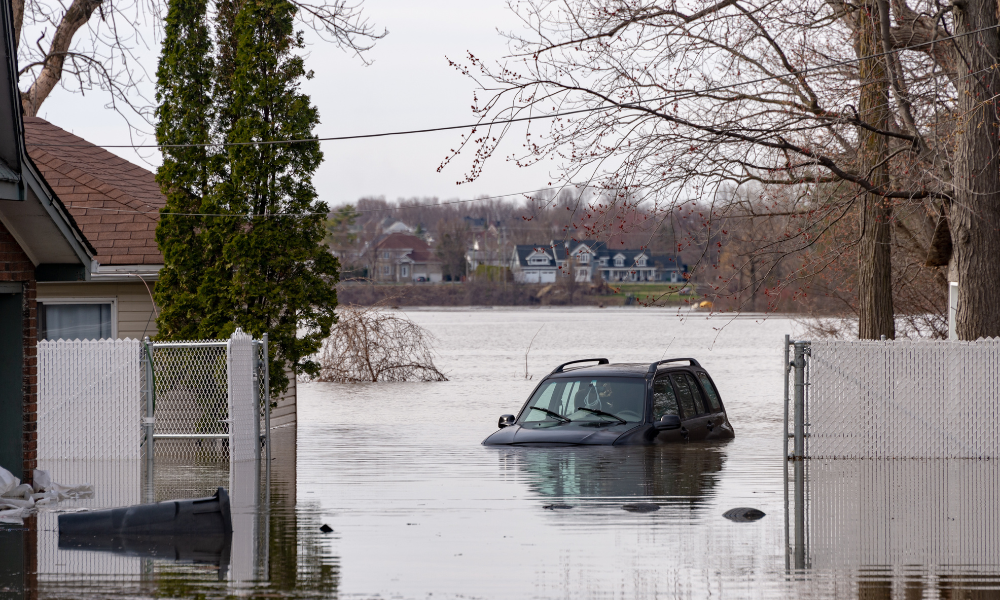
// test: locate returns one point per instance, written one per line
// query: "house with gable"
(39, 242)
(590, 261)
(534, 264)
(116, 205)
(404, 258)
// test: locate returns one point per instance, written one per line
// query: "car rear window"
(688, 395)
(710, 391)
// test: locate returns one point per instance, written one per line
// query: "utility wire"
(674, 97)
(311, 214)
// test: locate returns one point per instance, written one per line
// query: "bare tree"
(95, 44)
(839, 111)
(369, 343)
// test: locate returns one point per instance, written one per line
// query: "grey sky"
(408, 86)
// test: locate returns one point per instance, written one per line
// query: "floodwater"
(419, 509)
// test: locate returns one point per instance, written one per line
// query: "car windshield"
(588, 399)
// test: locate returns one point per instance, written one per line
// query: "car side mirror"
(667, 422)
(508, 420)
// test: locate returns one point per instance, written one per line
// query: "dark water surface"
(419, 509)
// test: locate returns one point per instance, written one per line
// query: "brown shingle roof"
(402, 241)
(115, 203)
(420, 252)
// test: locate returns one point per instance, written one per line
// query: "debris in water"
(175, 517)
(641, 507)
(743, 514)
(556, 506)
(326, 528)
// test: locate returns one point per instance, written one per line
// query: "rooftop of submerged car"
(616, 370)
(606, 369)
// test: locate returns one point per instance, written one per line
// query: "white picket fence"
(903, 399)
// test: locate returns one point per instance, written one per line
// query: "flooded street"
(420, 509)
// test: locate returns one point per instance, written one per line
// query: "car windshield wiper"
(601, 412)
(554, 414)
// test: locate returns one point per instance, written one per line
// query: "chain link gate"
(188, 427)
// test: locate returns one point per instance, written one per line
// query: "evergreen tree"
(184, 115)
(271, 272)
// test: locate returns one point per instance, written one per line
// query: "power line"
(311, 214)
(638, 104)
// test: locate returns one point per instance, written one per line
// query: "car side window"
(664, 399)
(699, 400)
(684, 395)
(710, 391)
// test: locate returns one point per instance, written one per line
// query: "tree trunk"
(76, 17)
(874, 251)
(975, 215)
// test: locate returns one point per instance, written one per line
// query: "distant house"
(589, 260)
(404, 258)
(388, 226)
(534, 264)
(488, 249)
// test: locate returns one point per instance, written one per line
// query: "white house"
(534, 264)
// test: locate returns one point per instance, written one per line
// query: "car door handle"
(709, 425)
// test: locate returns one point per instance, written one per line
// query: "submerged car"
(619, 404)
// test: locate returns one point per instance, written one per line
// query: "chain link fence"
(188, 413)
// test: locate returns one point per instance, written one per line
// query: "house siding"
(16, 267)
(285, 412)
(136, 316)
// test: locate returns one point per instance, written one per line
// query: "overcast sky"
(408, 86)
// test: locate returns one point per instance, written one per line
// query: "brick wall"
(16, 267)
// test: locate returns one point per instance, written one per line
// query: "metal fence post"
(267, 421)
(785, 367)
(798, 453)
(149, 421)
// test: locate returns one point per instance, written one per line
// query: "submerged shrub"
(369, 343)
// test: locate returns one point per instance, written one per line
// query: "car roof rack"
(560, 369)
(653, 367)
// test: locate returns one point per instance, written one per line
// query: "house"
(389, 226)
(116, 205)
(39, 242)
(590, 260)
(489, 248)
(404, 258)
(534, 264)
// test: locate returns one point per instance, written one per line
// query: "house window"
(538, 261)
(75, 320)
(619, 261)
(604, 261)
(385, 269)
(583, 257)
(641, 262)
(582, 273)
(385, 254)
(404, 271)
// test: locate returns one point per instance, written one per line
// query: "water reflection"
(16, 572)
(902, 528)
(684, 473)
(287, 556)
